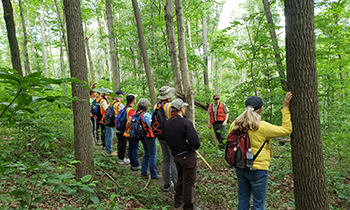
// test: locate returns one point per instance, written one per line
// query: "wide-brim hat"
(166, 92)
(102, 90)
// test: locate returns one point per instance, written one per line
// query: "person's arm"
(273, 131)
(225, 121)
(128, 123)
(209, 124)
(147, 119)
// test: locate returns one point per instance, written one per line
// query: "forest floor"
(118, 187)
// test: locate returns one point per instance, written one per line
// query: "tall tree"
(25, 40)
(112, 50)
(275, 44)
(43, 38)
(169, 18)
(78, 67)
(189, 96)
(62, 27)
(205, 49)
(11, 35)
(91, 63)
(310, 190)
(143, 49)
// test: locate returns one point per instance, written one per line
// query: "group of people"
(180, 140)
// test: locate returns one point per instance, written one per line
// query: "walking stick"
(212, 134)
(200, 156)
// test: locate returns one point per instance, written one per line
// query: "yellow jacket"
(267, 131)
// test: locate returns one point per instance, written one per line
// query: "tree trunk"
(32, 43)
(169, 18)
(62, 27)
(78, 67)
(52, 61)
(205, 50)
(91, 64)
(275, 44)
(112, 50)
(11, 35)
(310, 190)
(25, 40)
(100, 70)
(154, 43)
(62, 65)
(144, 52)
(183, 62)
(43, 39)
(109, 64)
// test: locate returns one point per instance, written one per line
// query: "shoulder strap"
(127, 112)
(256, 155)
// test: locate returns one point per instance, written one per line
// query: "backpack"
(137, 131)
(109, 117)
(95, 108)
(236, 148)
(158, 121)
(121, 119)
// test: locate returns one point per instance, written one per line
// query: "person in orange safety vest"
(217, 117)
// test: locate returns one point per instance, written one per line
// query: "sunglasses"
(216, 98)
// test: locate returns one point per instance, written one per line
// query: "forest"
(52, 51)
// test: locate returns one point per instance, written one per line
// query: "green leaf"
(95, 199)
(281, 175)
(37, 199)
(86, 178)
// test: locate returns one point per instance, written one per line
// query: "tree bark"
(275, 44)
(62, 28)
(183, 62)
(169, 18)
(91, 64)
(62, 65)
(143, 49)
(205, 50)
(52, 61)
(310, 190)
(43, 39)
(11, 35)
(25, 40)
(32, 44)
(78, 67)
(100, 70)
(112, 50)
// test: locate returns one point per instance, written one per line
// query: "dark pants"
(186, 168)
(219, 130)
(133, 152)
(95, 128)
(121, 146)
(103, 134)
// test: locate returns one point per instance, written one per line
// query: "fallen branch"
(147, 183)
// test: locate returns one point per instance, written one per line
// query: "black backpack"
(158, 121)
(137, 131)
(109, 118)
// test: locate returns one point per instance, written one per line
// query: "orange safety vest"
(149, 129)
(116, 104)
(220, 113)
(128, 109)
(103, 112)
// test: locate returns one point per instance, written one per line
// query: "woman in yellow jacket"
(254, 180)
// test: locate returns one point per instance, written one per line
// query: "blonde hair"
(248, 120)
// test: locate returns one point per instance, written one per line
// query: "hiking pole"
(200, 156)
(212, 134)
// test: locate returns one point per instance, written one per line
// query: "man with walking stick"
(218, 116)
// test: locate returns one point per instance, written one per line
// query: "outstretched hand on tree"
(287, 99)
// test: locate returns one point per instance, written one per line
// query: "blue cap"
(120, 92)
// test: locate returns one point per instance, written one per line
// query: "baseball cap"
(120, 92)
(178, 104)
(255, 102)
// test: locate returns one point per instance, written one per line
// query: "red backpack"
(236, 148)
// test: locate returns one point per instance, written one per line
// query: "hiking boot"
(121, 162)
(145, 177)
(167, 189)
(126, 160)
(113, 154)
(135, 168)
(158, 177)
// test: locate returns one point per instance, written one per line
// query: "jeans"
(219, 130)
(133, 152)
(103, 134)
(168, 164)
(149, 159)
(121, 146)
(187, 168)
(251, 182)
(108, 140)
